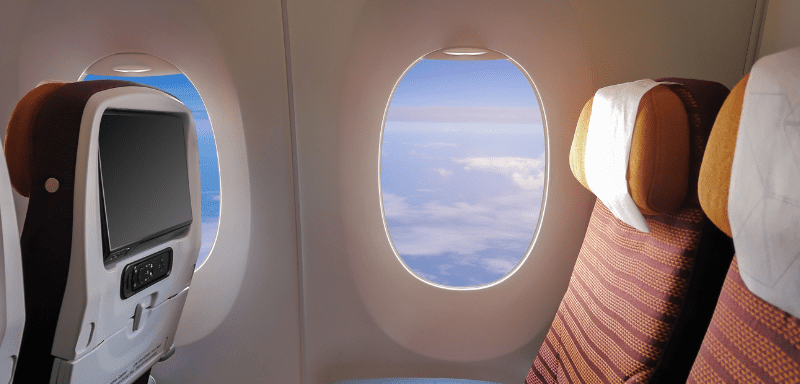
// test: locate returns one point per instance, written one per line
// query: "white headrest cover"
(764, 198)
(608, 148)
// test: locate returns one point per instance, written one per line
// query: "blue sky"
(462, 169)
(180, 87)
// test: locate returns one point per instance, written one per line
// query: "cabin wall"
(781, 27)
(631, 40)
(364, 315)
(12, 15)
(258, 341)
(336, 304)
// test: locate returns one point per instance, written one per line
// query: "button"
(140, 274)
(51, 185)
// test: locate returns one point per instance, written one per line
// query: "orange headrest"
(18, 136)
(715, 172)
(658, 169)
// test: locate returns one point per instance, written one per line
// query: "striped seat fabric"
(749, 339)
(638, 304)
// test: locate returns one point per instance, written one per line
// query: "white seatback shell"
(95, 339)
(12, 303)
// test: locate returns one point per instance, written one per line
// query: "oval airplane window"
(155, 72)
(462, 167)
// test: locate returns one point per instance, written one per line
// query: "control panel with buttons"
(146, 272)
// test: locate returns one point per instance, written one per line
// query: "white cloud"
(490, 234)
(525, 172)
(462, 230)
(395, 207)
(428, 145)
(209, 235)
(498, 265)
(444, 268)
(443, 172)
(459, 114)
(501, 164)
(422, 240)
(530, 182)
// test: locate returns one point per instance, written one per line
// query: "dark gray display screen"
(144, 177)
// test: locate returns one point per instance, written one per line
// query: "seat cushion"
(638, 304)
(624, 297)
(748, 341)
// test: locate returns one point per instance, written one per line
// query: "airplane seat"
(639, 298)
(12, 299)
(749, 188)
(112, 229)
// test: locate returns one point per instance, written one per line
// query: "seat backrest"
(112, 228)
(750, 188)
(12, 302)
(636, 307)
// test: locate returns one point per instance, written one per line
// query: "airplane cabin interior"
(400, 191)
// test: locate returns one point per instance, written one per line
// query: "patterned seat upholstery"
(749, 340)
(638, 304)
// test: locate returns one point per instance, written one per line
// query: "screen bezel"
(130, 248)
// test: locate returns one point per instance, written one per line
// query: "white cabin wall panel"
(244, 298)
(365, 315)
(259, 342)
(12, 16)
(631, 40)
(781, 27)
(505, 317)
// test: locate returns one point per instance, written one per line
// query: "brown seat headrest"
(658, 169)
(715, 172)
(18, 136)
